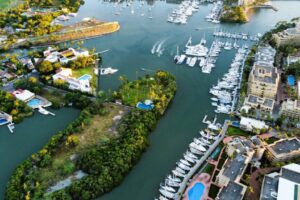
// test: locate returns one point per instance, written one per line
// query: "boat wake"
(159, 48)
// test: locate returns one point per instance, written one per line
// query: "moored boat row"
(197, 149)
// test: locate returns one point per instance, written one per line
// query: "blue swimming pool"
(235, 124)
(33, 103)
(85, 77)
(144, 106)
(196, 192)
(291, 80)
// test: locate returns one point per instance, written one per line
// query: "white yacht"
(189, 159)
(198, 147)
(170, 189)
(108, 70)
(183, 166)
(185, 162)
(167, 193)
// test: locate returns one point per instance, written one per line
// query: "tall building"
(284, 185)
(288, 36)
(290, 108)
(263, 81)
(283, 150)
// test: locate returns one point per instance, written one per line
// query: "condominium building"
(284, 149)
(290, 108)
(288, 36)
(230, 175)
(263, 104)
(283, 185)
(263, 81)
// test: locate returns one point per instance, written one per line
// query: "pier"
(201, 161)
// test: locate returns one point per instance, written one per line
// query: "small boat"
(176, 173)
(108, 70)
(198, 147)
(189, 159)
(170, 189)
(183, 166)
(214, 99)
(163, 198)
(195, 151)
(167, 193)
(185, 162)
(191, 155)
(172, 183)
(174, 178)
(180, 170)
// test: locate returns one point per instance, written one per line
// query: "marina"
(226, 90)
(199, 150)
(184, 10)
(129, 52)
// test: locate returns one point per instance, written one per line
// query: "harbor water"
(143, 26)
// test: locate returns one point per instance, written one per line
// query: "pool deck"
(203, 178)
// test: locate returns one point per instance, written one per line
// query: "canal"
(129, 51)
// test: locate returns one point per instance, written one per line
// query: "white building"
(282, 186)
(250, 124)
(82, 84)
(23, 95)
(64, 57)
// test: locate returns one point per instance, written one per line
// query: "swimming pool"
(196, 192)
(216, 152)
(291, 80)
(34, 103)
(85, 77)
(144, 106)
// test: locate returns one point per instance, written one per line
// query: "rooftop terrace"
(285, 146)
(233, 191)
(234, 168)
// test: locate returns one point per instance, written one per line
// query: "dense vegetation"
(280, 26)
(106, 164)
(30, 83)
(18, 109)
(234, 14)
(38, 24)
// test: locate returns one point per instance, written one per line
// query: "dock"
(11, 127)
(201, 161)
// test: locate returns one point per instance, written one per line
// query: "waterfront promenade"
(201, 161)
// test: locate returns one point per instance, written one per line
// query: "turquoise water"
(196, 192)
(85, 77)
(34, 103)
(216, 152)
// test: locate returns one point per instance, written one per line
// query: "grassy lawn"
(213, 191)
(135, 93)
(4, 4)
(222, 160)
(209, 169)
(234, 131)
(87, 70)
(80, 72)
(53, 96)
(271, 140)
(97, 132)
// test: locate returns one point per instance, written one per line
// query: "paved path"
(256, 184)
